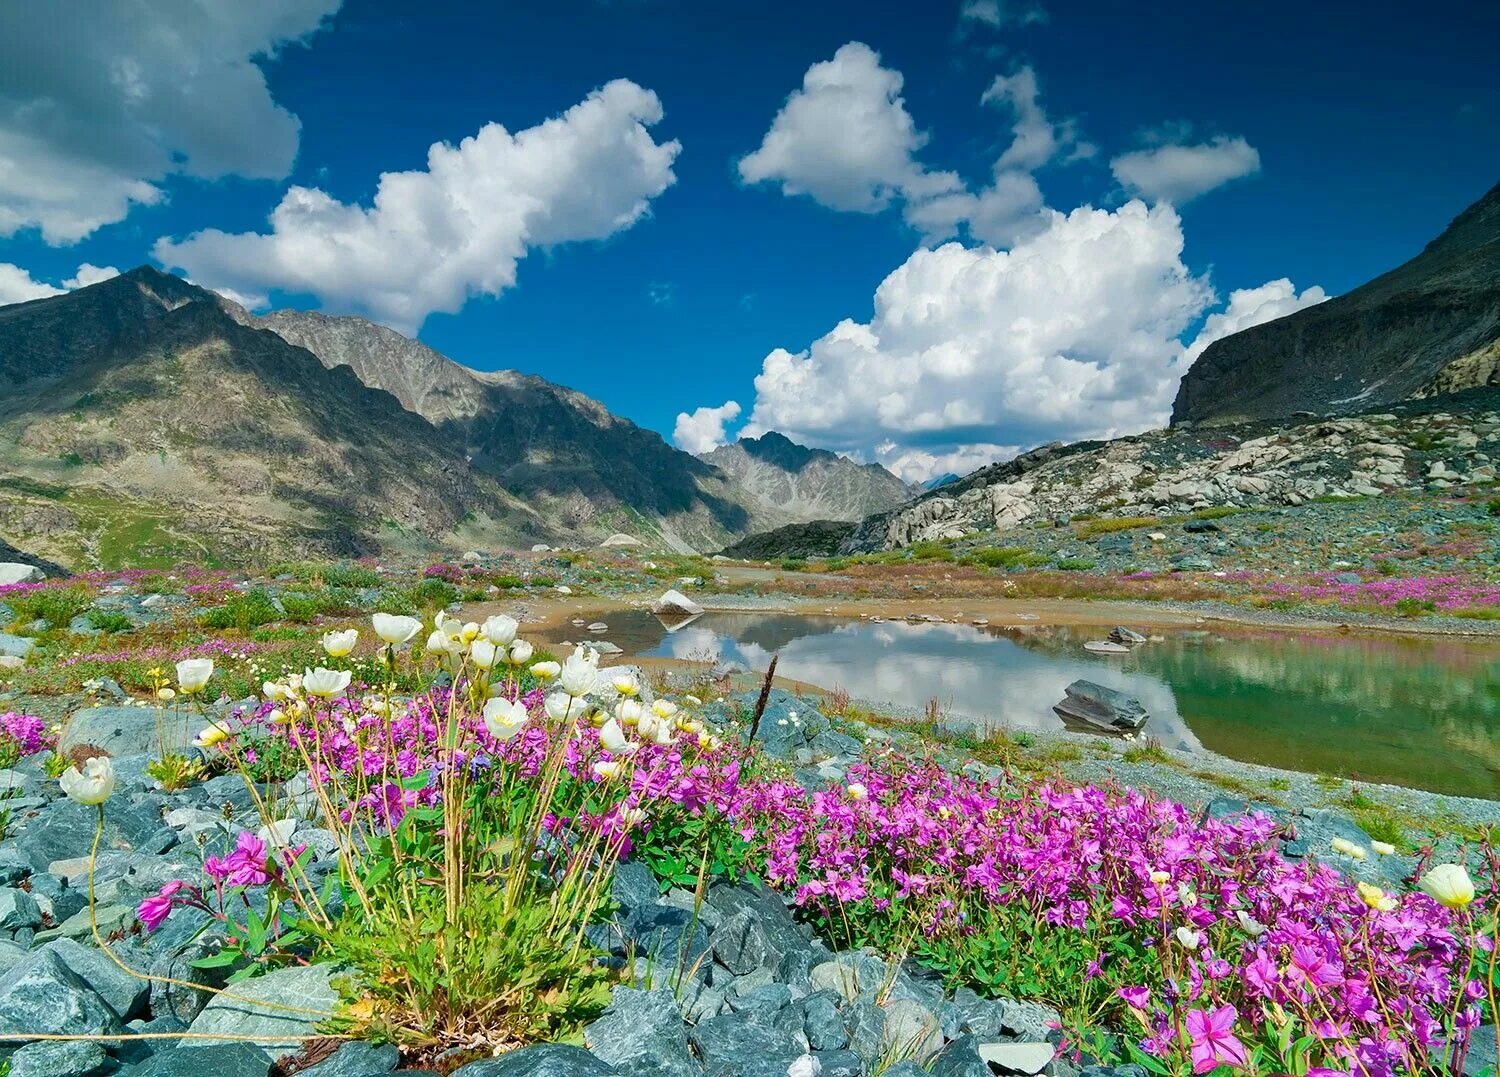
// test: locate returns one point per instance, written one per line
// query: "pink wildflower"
(1214, 1043)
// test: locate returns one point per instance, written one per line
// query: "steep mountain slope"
(139, 421)
(1429, 326)
(784, 483)
(561, 451)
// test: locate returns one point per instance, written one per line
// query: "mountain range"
(144, 419)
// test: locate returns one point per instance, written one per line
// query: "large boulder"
(43, 995)
(12, 572)
(674, 605)
(289, 1002)
(127, 731)
(1098, 706)
(642, 1032)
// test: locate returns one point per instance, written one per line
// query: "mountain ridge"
(138, 411)
(786, 483)
(1427, 327)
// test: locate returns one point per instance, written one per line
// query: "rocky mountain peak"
(787, 483)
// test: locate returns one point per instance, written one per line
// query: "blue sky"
(659, 280)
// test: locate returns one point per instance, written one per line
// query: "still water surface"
(1415, 712)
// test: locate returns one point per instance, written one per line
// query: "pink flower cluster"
(26, 733)
(1444, 592)
(1232, 942)
(1373, 988)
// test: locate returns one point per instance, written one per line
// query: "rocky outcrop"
(781, 482)
(1426, 327)
(1419, 446)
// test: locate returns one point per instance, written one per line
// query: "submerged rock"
(1105, 708)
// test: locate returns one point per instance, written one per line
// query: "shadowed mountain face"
(141, 422)
(561, 451)
(1430, 326)
(786, 483)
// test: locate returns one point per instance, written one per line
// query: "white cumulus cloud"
(1037, 139)
(702, 430)
(1072, 333)
(18, 286)
(100, 100)
(1252, 306)
(845, 138)
(1179, 173)
(432, 239)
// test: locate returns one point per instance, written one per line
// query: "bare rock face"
(1427, 327)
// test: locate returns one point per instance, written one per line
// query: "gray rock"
(356, 1059)
(60, 1058)
(823, 1023)
(543, 1060)
(124, 731)
(65, 831)
(754, 938)
(642, 1032)
(851, 975)
(1482, 1056)
(219, 1059)
(633, 885)
(16, 646)
(762, 1004)
(18, 909)
(43, 995)
(125, 994)
(303, 988)
(911, 1030)
(866, 1030)
(177, 999)
(1028, 1020)
(731, 1037)
(77, 926)
(1093, 704)
(904, 1069)
(19, 572)
(959, 1059)
(668, 937)
(14, 864)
